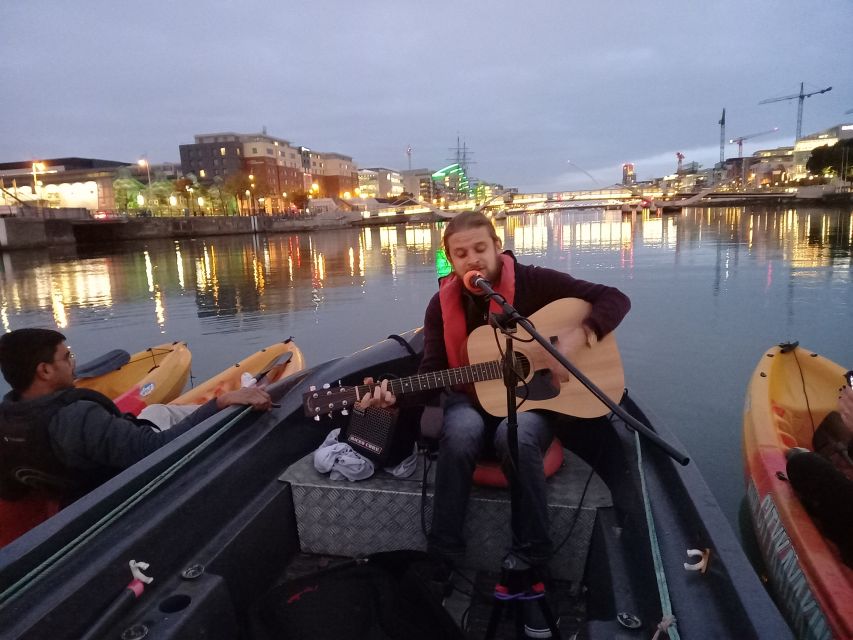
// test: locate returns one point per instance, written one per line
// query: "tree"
(218, 196)
(835, 160)
(235, 187)
(126, 188)
(299, 199)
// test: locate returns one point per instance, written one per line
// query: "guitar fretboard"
(440, 379)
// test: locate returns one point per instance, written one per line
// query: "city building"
(628, 176)
(84, 183)
(260, 169)
(770, 167)
(334, 173)
(804, 146)
(419, 183)
(266, 172)
(452, 182)
(379, 182)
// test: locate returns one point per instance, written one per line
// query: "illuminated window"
(222, 151)
(202, 173)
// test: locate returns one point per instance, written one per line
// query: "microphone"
(473, 281)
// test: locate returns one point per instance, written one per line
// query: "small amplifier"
(372, 434)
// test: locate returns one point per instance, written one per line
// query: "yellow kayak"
(267, 366)
(791, 391)
(154, 376)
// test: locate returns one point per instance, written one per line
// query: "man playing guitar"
(472, 244)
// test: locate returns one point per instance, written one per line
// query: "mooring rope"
(668, 622)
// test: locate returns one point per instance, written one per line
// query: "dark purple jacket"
(534, 288)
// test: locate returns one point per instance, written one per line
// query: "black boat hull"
(222, 530)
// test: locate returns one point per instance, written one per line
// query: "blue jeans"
(464, 436)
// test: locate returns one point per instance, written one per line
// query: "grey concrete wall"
(21, 233)
(59, 232)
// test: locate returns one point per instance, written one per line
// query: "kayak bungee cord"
(668, 621)
(805, 393)
(35, 575)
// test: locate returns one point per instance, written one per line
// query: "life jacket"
(453, 314)
(27, 461)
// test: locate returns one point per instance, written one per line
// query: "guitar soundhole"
(522, 365)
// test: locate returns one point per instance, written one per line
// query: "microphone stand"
(514, 317)
(518, 581)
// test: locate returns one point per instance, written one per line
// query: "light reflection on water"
(711, 289)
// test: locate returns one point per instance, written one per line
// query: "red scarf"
(453, 315)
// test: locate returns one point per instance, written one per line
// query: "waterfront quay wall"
(29, 233)
(23, 233)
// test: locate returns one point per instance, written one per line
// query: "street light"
(144, 163)
(37, 166)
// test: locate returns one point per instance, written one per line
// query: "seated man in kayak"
(472, 244)
(67, 441)
(825, 491)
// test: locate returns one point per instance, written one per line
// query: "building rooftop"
(65, 164)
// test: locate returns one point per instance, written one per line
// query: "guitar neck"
(440, 379)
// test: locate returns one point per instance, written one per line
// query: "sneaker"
(535, 625)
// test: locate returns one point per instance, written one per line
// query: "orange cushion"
(488, 473)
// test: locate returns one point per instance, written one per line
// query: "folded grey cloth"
(405, 467)
(340, 461)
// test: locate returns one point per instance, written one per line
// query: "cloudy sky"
(542, 92)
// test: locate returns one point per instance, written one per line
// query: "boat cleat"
(702, 564)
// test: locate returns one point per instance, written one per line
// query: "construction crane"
(722, 124)
(739, 141)
(801, 97)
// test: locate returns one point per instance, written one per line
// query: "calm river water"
(711, 289)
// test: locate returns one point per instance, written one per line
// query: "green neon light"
(442, 264)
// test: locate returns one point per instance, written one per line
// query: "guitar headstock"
(328, 400)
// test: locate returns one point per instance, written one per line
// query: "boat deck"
(383, 513)
(338, 520)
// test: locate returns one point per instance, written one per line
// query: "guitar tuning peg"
(316, 418)
(344, 412)
(312, 388)
(326, 386)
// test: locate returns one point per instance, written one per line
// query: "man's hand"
(380, 397)
(845, 407)
(569, 343)
(256, 398)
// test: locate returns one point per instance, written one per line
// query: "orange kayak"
(791, 391)
(267, 366)
(154, 376)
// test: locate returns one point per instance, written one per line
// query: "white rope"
(664, 625)
(136, 568)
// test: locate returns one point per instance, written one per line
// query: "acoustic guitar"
(536, 388)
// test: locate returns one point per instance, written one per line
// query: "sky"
(546, 95)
